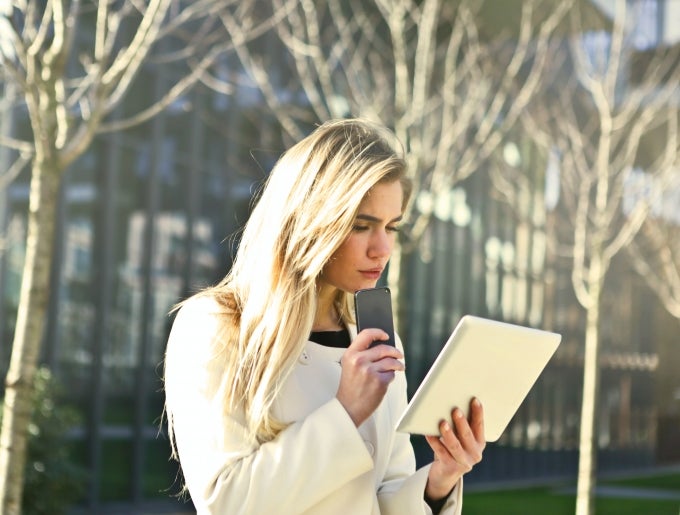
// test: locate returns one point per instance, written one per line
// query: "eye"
(393, 228)
(359, 228)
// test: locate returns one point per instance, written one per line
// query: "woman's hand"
(458, 448)
(366, 374)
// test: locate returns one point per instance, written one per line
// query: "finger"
(437, 446)
(452, 446)
(441, 453)
(388, 364)
(477, 420)
(466, 439)
(387, 376)
(463, 430)
(449, 438)
(366, 337)
(384, 351)
(364, 359)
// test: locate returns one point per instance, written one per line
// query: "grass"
(663, 482)
(559, 501)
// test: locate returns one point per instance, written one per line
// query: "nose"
(380, 245)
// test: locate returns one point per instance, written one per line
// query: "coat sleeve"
(402, 490)
(226, 473)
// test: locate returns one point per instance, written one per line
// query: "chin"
(367, 285)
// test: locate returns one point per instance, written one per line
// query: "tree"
(655, 253)
(655, 256)
(9, 168)
(450, 84)
(69, 86)
(598, 121)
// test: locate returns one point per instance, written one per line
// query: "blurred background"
(542, 138)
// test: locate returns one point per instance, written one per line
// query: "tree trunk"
(28, 335)
(587, 463)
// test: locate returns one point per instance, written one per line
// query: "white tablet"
(494, 361)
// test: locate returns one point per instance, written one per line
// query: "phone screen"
(373, 309)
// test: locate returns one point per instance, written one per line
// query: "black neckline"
(339, 339)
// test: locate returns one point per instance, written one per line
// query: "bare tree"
(448, 86)
(10, 167)
(598, 121)
(70, 64)
(655, 253)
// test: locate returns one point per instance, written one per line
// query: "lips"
(373, 273)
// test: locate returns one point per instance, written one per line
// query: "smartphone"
(373, 309)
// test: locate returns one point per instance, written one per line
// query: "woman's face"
(360, 260)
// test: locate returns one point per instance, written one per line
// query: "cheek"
(348, 255)
(350, 250)
(335, 264)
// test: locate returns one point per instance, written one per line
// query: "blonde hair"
(305, 212)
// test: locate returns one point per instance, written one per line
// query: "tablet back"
(494, 361)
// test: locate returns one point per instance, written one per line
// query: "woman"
(274, 403)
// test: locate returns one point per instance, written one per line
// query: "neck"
(326, 318)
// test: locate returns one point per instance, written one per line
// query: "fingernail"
(447, 426)
(476, 402)
(458, 413)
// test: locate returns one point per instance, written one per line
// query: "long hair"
(305, 212)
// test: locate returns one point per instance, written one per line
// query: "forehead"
(384, 197)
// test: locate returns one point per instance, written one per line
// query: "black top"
(339, 339)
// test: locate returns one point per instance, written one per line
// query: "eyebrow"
(375, 219)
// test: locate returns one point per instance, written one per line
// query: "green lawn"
(665, 482)
(554, 500)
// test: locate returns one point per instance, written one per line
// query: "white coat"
(320, 464)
